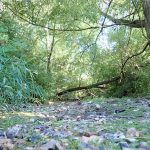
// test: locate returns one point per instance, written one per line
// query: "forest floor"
(99, 124)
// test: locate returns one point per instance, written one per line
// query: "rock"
(119, 111)
(34, 138)
(81, 132)
(63, 134)
(123, 145)
(143, 146)
(132, 132)
(6, 144)
(79, 102)
(29, 148)
(59, 134)
(32, 120)
(14, 132)
(97, 106)
(49, 118)
(90, 102)
(40, 127)
(129, 101)
(19, 141)
(130, 122)
(87, 134)
(2, 134)
(50, 132)
(96, 119)
(94, 138)
(108, 136)
(130, 140)
(79, 118)
(85, 146)
(51, 145)
(61, 117)
(24, 106)
(119, 136)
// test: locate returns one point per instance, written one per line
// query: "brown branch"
(133, 24)
(101, 30)
(51, 50)
(146, 11)
(45, 27)
(96, 85)
(134, 55)
(105, 16)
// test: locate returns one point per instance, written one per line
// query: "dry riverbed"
(110, 124)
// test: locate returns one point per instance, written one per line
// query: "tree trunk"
(51, 48)
(146, 10)
(96, 85)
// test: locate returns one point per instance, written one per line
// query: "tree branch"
(96, 85)
(105, 16)
(134, 55)
(51, 49)
(133, 24)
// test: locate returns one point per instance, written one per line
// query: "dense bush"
(17, 81)
(133, 84)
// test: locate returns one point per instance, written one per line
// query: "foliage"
(83, 53)
(17, 81)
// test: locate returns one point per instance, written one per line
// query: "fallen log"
(95, 85)
(113, 79)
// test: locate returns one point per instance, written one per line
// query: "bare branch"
(51, 50)
(96, 85)
(105, 16)
(134, 55)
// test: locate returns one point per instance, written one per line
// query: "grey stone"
(40, 127)
(84, 145)
(14, 132)
(34, 138)
(2, 134)
(123, 145)
(51, 145)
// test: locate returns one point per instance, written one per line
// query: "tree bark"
(146, 10)
(51, 50)
(125, 22)
(96, 85)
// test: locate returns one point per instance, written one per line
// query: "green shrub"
(17, 81)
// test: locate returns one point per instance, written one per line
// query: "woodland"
(81, 61)
(74, 49)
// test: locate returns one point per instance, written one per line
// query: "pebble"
(2, 134)
(34, 138)
(76, 126)
(51, 145)
(123, 145)
(14, 132)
